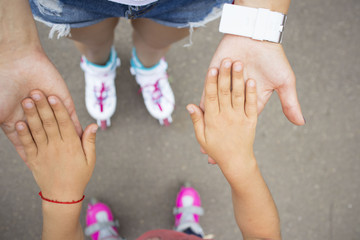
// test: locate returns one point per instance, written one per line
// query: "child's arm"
(226, 131)
(60, 161)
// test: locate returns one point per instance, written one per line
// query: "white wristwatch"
(256, 23)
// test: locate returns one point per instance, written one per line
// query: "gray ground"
(312, 171)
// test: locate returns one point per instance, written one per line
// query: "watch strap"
(256, 23)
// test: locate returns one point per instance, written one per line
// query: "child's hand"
(226, 129)
(60, 161)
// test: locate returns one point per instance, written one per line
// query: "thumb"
(290, 104)
(88, 142)
(197, 117)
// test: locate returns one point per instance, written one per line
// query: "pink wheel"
(103, 125)
(166, 122)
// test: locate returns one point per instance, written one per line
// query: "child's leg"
(152, 40)
(99, 62)
(95, 41)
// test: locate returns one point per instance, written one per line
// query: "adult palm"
(20, 72)
(267, 64)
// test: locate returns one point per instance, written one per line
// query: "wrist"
(68, 208)
(239, 169)
(18, 28)
(61, 221)
(281, 6)
(61, 211)
(20, 50)
(62, 196)
(249, 42)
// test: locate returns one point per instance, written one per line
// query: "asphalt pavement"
(312, 171)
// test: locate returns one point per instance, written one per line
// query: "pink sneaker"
(188, 210)
(100, 224)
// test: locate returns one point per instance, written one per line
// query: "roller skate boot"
(155, 88)
(100, 91)
(188, 211)
(100, 224)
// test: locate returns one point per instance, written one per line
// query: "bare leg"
(153, 40)
(95, 41)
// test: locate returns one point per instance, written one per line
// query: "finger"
(211, 161)
(10, 131)
(238, 87)
(88, 142)
(76, 122)
(34, 122)
(202, 150)
(69, 105)
(290, 104)
(66, 125)
(250, 99)
(26, 140)
(197, 118)
(211, 93)
(46, 115)
(224, 83)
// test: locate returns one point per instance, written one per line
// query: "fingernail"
(237, 67)
(94, 129)
(190, 109)
(52, 100)
(28, 105)
(251, 83)
(20, 127)
(227, 64)
(213, 72)
(35, 96)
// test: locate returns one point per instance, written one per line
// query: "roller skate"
(100, 224)
(188, 211)
(155, 88)
(100, 91)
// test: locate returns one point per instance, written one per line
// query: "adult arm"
(23, 67)
(264, 61)
(226, 131)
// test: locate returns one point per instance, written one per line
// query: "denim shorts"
(62, 15)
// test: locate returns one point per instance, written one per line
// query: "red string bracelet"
(54, 201)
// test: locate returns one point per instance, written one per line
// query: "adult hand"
(267, 63)
(22, 70)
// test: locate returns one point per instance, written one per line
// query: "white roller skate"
(155, 88)
(100, 91)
